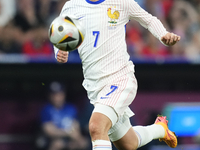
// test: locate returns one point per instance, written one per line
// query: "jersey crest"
(114, 16)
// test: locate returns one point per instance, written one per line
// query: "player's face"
(58, 99)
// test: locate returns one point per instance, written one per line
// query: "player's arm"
(61, 56)
(170, 39)
(151, 23)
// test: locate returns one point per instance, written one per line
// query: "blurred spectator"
(49, 9)
(7, 11)
(23, 24)
(166, 6)
(44, 9)
(153, 47)
(25, 19)
(8, 43)
(181, 17)
(134, 39)
(60, 5)
(154, 7)
(39, 44)
(59, 122)
(196, 4)
(184, 21)
(192, 49)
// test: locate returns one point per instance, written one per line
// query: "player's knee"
(94, 129)
(97, 130)
(99, 126)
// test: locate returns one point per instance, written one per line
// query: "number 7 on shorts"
(113, 88)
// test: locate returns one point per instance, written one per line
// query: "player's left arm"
(152, 23)
(170, 39)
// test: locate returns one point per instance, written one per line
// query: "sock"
(146, 134)
(101, 145)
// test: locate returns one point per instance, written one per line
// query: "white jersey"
(104, 51)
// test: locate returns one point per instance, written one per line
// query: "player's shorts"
(119, 93)
(113, 100)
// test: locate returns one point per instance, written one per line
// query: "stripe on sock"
(101, 145)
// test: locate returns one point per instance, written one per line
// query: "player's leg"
(141, 135)
(98, 126)
(119, 93)
(128, 142)
(102, 119)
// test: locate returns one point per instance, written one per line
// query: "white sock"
(146, 134)
(101, 145)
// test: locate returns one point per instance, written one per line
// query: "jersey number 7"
(96, 33)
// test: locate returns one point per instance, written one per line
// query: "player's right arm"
(61, 56)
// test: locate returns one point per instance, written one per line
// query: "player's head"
(57, 94)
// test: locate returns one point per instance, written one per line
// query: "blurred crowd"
(60, 127)
(24, 27)
(178, 16)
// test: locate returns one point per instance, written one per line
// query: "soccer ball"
(66, 33)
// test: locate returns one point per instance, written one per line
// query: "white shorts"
(118, 94)
(113, 100)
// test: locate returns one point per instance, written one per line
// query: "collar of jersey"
(97, 2)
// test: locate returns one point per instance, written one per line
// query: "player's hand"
(170, 39)
(62, 56)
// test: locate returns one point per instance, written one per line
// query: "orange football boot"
(170, 137)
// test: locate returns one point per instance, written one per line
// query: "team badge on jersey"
(114, 16)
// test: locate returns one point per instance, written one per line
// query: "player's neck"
(94, 0)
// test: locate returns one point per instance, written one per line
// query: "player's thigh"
(100, 120)
(99, 125)
(128, 142)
